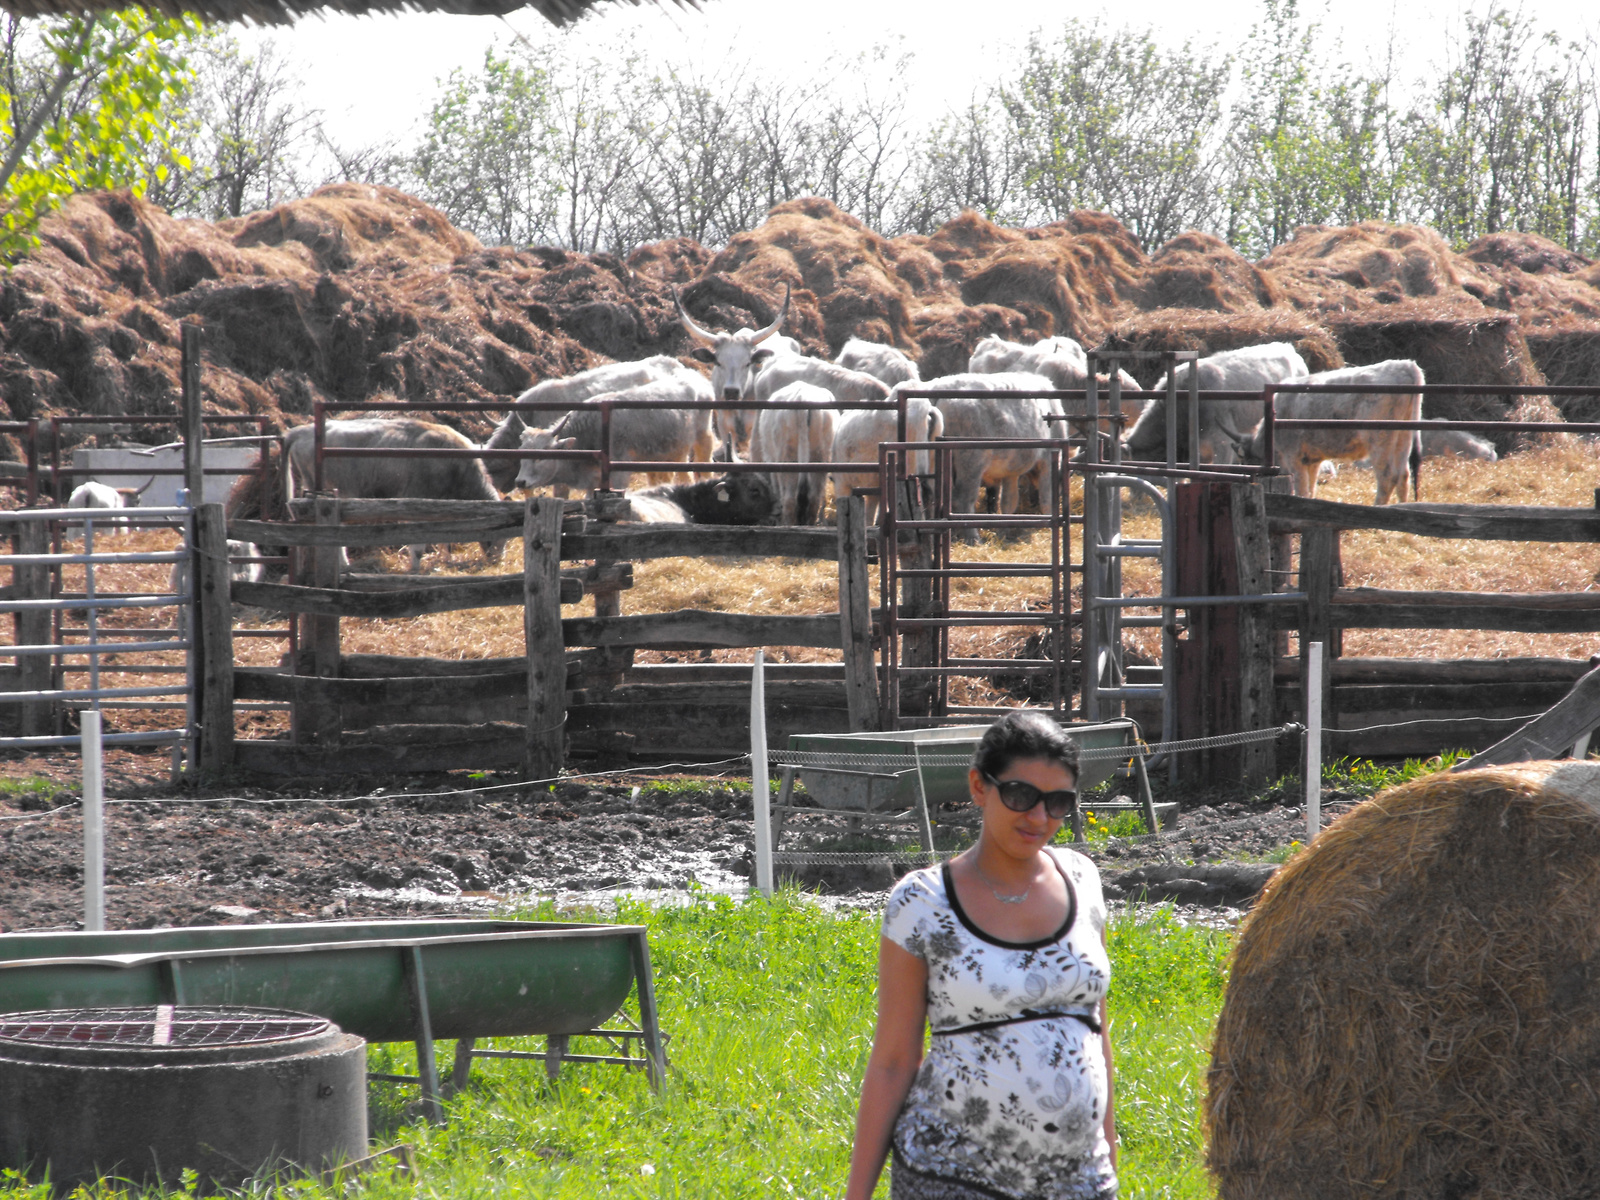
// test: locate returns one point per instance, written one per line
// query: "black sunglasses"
(1021, 797)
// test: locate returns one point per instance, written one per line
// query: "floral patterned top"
(1011, 1096)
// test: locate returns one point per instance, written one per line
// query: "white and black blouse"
(1011, 1097)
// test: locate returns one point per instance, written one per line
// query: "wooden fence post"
(193, 409)
(1252, 556)
(855, 616)
(541, 627)
(33, 628)
(213, 611)
(327, 719)
(1319, 556)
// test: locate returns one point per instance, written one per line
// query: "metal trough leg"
(555, 1049)
(648, 1020)
(417, 986)
(461, 1070)
(1145, 798)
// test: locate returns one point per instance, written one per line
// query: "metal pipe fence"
(52, 653)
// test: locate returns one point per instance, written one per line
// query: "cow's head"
(735, 359)
(506, 436)
(541, 472)
(130, 496)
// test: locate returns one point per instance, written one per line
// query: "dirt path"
(388, 848)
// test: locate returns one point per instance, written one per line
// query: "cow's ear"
(761, 356)
(703, 354)
(722, 494)
(566, 443)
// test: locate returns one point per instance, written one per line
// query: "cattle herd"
(784, 406)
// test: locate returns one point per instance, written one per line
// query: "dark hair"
(1024, 734)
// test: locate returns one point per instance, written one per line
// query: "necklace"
(997, 894)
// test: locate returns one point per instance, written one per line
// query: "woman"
(1002, 951)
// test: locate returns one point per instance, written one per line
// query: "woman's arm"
(896, 1055)
(1111, 1087)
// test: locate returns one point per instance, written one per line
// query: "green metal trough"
(385, 981)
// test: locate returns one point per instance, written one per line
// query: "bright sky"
(374, 77)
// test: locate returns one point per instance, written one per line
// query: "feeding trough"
(844, 774)
(147, 1093)
(385, 981)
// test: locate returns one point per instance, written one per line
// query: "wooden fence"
(577, 687)
(1233, 673)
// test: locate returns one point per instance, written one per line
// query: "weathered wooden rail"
(577, 687)
(1392, 707)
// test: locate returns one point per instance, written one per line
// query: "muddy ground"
(399, 847)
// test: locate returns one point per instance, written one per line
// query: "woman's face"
(1020, 834)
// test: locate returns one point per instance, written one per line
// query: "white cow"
(1061, 360)
(1223, 423)
(878, 360)
(662, 432)
(94, 494)
(996, 416)
(1390, 450)
(857, 434)
(795, 435)
(736, 359)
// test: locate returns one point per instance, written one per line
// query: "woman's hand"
(896, 1055)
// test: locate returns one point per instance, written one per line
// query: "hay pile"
(359, 290)
(1414, 1006)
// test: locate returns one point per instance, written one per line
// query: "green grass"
(770, 1009)
(35, 793)
(1364, 777)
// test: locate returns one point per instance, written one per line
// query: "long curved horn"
(555, 430)
(777, 321)
(146, 486)
(705, 335)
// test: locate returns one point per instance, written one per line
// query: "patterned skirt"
(906, 1183)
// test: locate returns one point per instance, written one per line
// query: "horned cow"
(735, 360)
(796, 435)
(391, 478)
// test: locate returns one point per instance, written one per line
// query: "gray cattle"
(391, 478)
(570, 391)
(1302, 452)
(878, 360)
(796, 435)
(857, 434)
(841, 383)
(1222, 423)
(735, 360)
(995, 416)
(662, 432)
(1060, 360)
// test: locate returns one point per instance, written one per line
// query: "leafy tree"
(1116, 122)
(82, 105)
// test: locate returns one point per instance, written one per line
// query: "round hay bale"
(1414, 1006)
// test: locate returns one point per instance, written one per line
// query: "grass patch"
(771, 1007)
(35, 793)
(1366, 778)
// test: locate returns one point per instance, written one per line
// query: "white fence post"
(1313, 769)
(760, 783)
(94, 828)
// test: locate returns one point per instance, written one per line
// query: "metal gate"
(50, 646)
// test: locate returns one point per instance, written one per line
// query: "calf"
(795, 435)
(882, 362)
(1390, 450)
(660, 432)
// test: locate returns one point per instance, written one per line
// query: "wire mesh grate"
(159, 1025)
